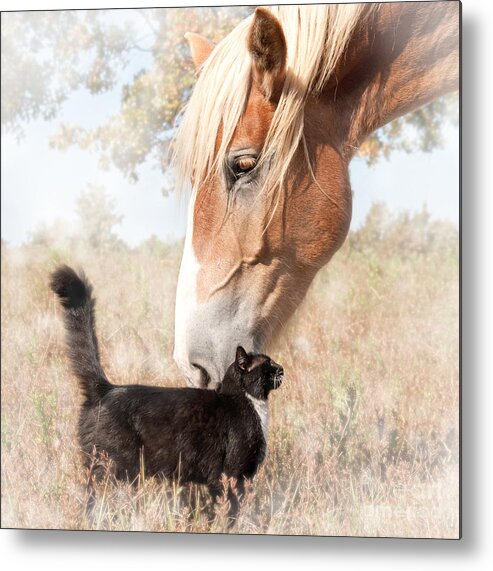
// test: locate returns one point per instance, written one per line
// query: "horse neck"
(400, 57)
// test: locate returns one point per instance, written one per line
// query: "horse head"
(278, 110)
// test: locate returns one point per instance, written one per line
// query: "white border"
(82, 551)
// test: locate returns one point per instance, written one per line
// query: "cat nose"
(279, 371)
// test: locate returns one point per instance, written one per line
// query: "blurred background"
(90, 100)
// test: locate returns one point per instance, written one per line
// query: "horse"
(279, 109)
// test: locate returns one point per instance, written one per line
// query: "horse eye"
(243, 165)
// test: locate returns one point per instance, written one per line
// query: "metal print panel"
(264, 201)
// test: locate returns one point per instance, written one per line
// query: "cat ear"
(242, 359)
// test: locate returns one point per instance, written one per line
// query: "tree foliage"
(47, 56)
(97, 215)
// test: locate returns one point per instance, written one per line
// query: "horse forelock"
(316, 37)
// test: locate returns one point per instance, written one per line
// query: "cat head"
(253, 374)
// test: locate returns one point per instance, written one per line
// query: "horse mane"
(316, 37)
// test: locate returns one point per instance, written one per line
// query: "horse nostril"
(203, 376)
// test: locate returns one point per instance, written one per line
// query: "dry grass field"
(363, 433)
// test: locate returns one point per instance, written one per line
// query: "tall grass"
(363, 433)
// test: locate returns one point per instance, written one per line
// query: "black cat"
(194, 435)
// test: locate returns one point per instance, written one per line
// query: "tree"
(43, 61)
(403, 234)
(46, 56)
(97, 215)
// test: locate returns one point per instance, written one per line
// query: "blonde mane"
(316, 37)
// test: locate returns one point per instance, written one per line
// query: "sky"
(40, 184)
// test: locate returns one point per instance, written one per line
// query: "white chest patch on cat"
(262, 409)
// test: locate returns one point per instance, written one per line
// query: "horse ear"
(242, 359)
(267, 46)
(200, 47)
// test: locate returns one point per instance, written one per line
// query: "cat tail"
(75, 295)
